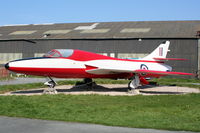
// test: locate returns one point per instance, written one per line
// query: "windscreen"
(59, 53)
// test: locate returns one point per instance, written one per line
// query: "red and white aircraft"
(69, 63)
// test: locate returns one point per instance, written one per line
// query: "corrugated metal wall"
(180, 48)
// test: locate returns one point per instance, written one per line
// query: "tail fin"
(159, 52)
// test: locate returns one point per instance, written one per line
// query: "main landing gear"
(133, 84)
(87, 82)
(51, 84)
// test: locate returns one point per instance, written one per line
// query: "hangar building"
(116, 39)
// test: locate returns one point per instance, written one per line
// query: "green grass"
(170, 112)
(7, 88)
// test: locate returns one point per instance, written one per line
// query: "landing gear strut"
(51, 84)
(133, 84)
(89, 83)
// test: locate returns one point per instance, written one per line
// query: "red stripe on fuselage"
(65, 73)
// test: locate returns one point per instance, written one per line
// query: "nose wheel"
(51, 84)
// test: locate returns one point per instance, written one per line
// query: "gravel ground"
(111, 89)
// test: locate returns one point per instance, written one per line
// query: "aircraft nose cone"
(7, 65)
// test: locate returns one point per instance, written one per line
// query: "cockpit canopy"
(59, 53)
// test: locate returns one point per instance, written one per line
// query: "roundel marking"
(143, 67)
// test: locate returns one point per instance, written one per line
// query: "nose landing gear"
(51, 84)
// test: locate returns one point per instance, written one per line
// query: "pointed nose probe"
(7, 65)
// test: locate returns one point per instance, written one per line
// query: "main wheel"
(89, 83)
(87, 80)
(129, 86)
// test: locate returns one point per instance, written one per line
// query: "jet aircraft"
(71, 63)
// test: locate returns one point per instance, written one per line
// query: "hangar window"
(5, 57)
(38, 54)
(131, 55)
(59, 53)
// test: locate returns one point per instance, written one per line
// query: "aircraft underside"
(68, 73)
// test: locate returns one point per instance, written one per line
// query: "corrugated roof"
(146, 29)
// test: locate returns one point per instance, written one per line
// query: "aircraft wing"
(96, 70)
(100, 71)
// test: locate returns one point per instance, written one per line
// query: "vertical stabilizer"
(159, 52)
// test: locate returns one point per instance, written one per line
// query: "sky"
(76, 11)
